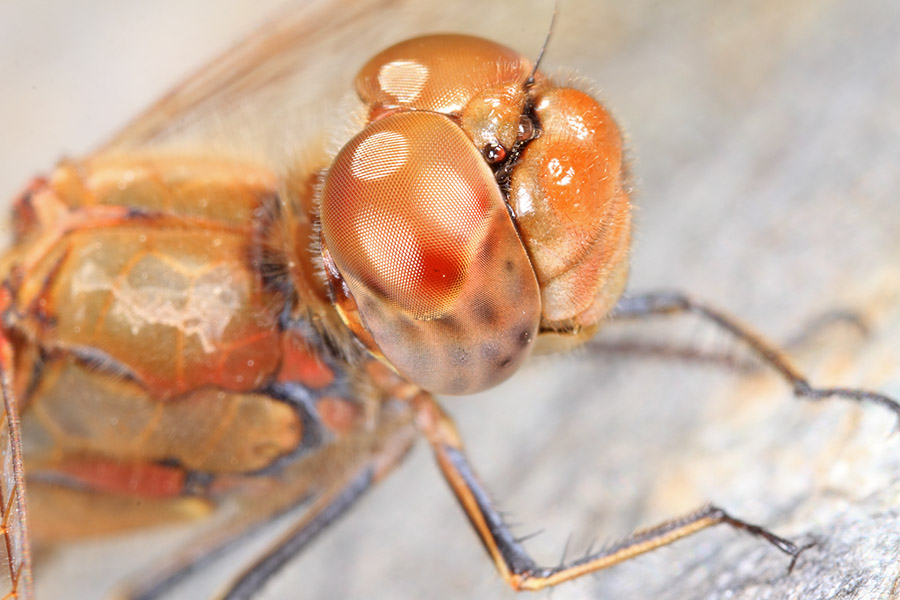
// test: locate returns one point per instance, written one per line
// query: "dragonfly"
(147, 137)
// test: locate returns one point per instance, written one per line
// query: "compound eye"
(402, 218)
(418, 229)
(440, 73)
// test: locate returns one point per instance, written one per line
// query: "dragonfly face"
(666, 240)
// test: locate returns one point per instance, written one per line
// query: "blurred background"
(764, 141)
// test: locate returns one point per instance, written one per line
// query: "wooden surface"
(765, 143)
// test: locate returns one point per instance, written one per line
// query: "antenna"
(530, 81)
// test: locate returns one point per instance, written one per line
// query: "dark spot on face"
(485, 313)
(509, 266)
(489, 352)
(401, 326)
(451, 324)
(458, 355)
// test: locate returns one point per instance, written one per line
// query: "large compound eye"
(439, 73)
(478, 82)
(417, 226)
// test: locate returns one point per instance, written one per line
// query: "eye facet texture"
(419, 230)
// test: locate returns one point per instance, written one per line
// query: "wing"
(269, 77)
(278, 87)
(12, 485)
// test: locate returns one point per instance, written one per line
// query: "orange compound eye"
(403, 226)
(439, 73)
(478, 82)
(418, 229)
(569, 195)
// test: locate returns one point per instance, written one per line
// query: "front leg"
(512, 561)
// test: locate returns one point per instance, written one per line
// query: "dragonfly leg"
(332, 504)
(513, 563)
(674, 303)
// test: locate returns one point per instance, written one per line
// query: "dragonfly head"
(481, 208)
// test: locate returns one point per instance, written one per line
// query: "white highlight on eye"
(379, 155)
(391, 247)
(403, 79)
